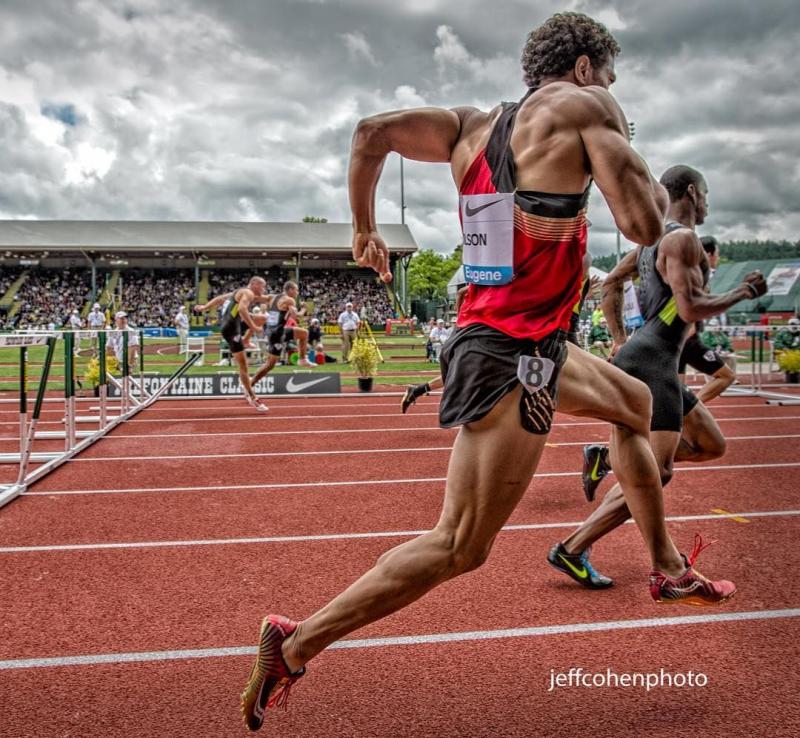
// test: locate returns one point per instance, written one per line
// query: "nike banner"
(487, 223)
(215, 385)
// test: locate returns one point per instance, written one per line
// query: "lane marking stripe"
(732, 516)
(364, 482)
(414, 640)
(396, 416)
(399, 449)
(347, 536)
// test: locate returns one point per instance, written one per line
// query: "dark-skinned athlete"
(673, 275)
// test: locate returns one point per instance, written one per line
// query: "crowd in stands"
(152, 298)
(330, 290)
(47, 297)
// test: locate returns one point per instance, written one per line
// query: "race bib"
(273, 318)
(534, 372)
(487, 223)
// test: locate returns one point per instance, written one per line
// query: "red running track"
(134, 579)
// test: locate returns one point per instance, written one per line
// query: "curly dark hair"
(553, 48)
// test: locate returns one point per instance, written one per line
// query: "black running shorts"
(689, 400)
(479, 367)
(278, 338)
(699, 356)
(232, 333)
(655, 361)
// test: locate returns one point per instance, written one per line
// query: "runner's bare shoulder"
(684, 245)
(587, 106)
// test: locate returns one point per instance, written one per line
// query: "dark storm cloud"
(204, 109)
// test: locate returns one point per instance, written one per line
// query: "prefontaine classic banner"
(215, 385)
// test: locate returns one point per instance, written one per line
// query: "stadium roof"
(219, 238)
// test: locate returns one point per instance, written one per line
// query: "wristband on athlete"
(752, 287)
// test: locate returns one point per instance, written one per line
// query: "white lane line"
(350, 536)
(384, 450)
(396, 416)
(412, 640)
(283, 405)
(236, 434)
(365, 482)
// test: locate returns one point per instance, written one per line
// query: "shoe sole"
(251, 697)
(693, 601)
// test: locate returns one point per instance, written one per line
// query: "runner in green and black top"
(235, 320)
(673, 276)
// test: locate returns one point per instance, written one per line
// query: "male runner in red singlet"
(524, 250)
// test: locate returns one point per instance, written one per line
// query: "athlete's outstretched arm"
(211, 304)
(683, 255)
(613, 296)
(637, 201)
(422, 134)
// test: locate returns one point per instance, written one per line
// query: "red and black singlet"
(549, 234)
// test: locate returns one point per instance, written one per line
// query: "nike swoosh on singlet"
(291, 386)
(474, 211)
(582, 572)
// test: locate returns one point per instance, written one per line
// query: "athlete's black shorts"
(278, 338)
(232, 333)
(479, 367)
(699, 356)
(688, 400)
(655, 361)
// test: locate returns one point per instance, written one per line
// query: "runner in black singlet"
(673, 276)
(701, 437)
(280, 309)
(235, 320)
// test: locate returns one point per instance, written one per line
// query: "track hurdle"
(72, 447)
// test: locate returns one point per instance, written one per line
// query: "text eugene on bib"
(487, 223)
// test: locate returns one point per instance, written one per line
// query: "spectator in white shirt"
(182, 326)
(97, 322)
(115, 340)
(439, 336)
(348, 324)
(75, 324)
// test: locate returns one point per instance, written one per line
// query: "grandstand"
(48, 268)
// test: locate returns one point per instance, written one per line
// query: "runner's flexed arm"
(422, 134)
(682, 255)
(613, 297)
(637, 201)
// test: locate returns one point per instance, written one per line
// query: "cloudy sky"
(244, 109)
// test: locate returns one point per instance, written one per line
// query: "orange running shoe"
(270, 680)
(691, 588)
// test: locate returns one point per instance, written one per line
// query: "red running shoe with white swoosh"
(691, 588)
(270, 680)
